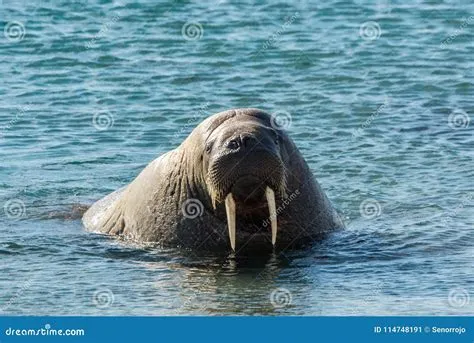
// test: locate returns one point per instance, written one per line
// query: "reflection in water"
(361, 270)
(230, 284)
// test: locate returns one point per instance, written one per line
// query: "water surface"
(377, 95)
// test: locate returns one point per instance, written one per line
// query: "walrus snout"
(248, 189)
(245, 172)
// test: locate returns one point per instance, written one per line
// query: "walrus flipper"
(94, 218)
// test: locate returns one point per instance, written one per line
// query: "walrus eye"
(208, 147)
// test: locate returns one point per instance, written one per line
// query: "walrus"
(238, 180)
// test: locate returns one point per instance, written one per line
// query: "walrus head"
(243, 168)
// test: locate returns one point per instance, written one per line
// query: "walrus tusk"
(230, 211)
(273, 214)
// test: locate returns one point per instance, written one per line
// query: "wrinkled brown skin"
(150, 208)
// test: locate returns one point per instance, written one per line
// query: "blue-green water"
(380, 98)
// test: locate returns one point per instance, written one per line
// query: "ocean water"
(378, 95)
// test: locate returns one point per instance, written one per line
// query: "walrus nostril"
(234, 144)
(248, 140)
(244, 141)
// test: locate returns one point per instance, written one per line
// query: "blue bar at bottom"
(237, 329)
